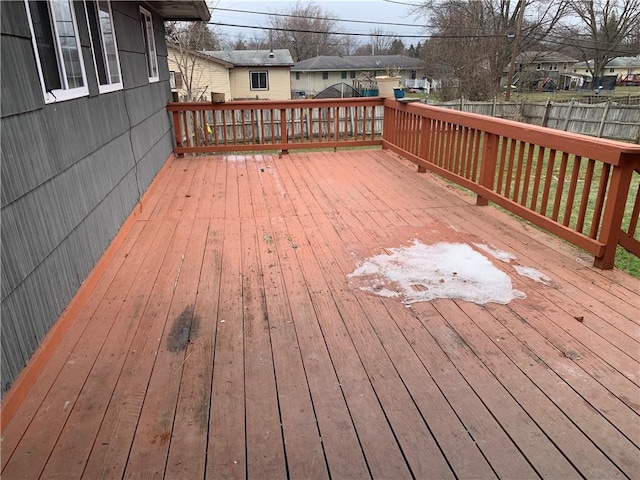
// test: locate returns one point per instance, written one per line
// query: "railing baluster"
(599, 205)
(584, 202)
(573, 186)
(547, 181)
(560, 186)
(520, 164)
(514, 145)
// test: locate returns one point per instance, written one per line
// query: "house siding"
(71, 172)
(279, 83)
(208, 76)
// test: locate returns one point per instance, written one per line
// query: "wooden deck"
(224, 340)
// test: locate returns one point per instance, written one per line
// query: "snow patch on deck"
(421, 273)
(501, 255)
(533, 274)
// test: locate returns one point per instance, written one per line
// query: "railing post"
(388, 124)
(488, 165)
(177, 128)
(614, 210)
(425, 142)
(284, 137)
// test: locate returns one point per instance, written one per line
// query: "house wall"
(72, 172)
(279, 83)
(312, 83)
(208, 76)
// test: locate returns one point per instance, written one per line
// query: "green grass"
(624, 260)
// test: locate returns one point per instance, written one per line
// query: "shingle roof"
(544, 57)
(620, 62)
(356, 62)
(254, 58)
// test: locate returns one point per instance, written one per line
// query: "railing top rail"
(276, 104)
(609, 151)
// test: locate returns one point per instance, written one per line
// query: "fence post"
(488, 165)
(604, 118)
(545, 115)
(568, 117)
(614, 209)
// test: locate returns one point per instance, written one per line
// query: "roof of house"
(181, 9)
(192, 53)
(620, 62)
(544, 57)
(355, 62)
(254, 58)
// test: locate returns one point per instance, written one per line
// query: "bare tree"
(348, 45)
(475, 41)
(380, 41)
(306, 30)
(187, 40)
(606, 31)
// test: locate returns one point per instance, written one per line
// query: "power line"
(383, 35)
(336, 19)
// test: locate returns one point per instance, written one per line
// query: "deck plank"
(225, 339)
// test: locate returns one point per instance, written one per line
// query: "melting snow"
(420, 273)
(533, 274)
(494, 252)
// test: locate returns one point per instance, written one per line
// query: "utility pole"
(515, 48)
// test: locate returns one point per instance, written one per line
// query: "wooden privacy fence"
(607, 119)
(276, 125)
(574, 186)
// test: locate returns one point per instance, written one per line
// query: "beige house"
(313, 75)
(622, 67)
(257, 74)
(194, 76)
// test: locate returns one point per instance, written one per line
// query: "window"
(103, 44)
(259, 80)
(297, 75)
(554, 67)
(150, 45)
(54, 33)
(612, 70)
(353, 74)
(539, 66)
(175, 80)
(325, 75)
(343, 75)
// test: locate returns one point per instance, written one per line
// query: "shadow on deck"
(224, 338)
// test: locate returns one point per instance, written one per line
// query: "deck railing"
(574, 186)
(582, 189)
(276, 125)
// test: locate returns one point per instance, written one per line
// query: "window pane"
(106, 25)
(68, 43)
(98, 52)
(45, 44)
(152, 61)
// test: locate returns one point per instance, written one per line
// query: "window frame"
(59, 94)
(258, 72)
(325, 75)
(108, 87)
(151, 57)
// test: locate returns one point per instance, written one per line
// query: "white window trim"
(152, 41)
(59, 95)
(111, 87)
(266, 72)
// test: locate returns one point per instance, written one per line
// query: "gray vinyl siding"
(71, 173)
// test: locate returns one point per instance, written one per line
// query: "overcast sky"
(367, 10)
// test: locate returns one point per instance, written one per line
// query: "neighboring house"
(84, 130)
(257, 74)
(315, 74)
(534, 69)
(621, 67)
(194, 76)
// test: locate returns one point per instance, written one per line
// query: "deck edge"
(12, 400)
